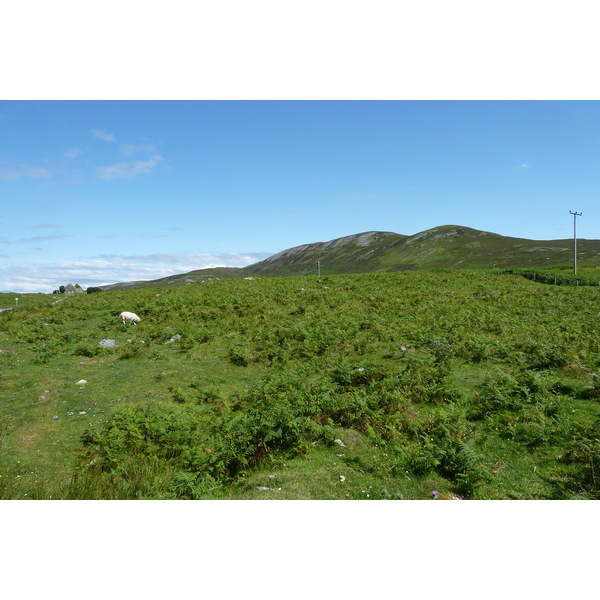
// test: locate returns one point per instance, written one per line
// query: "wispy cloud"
(45, 226)
(13, 173)
(129, 168)
(46, 238)
(524, 166)
(73, 152)
(113, 268)
(102, 134)
(184, 261)
(133, 149)
(141, 158)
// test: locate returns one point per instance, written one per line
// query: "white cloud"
(45, 238)
(524, 166)
(101, 134)
(19, 171)
(107, 269)
(129, 168)
(132, 149)
(193, 261)
(73, 152)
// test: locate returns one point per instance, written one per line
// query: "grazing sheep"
(129, 316)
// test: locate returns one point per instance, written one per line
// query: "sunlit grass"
(472, 384)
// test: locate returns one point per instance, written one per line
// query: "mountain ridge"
(442, 247)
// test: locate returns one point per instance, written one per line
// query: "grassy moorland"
(477, 385)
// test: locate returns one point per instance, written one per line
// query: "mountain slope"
(350, 254)
(445, 247)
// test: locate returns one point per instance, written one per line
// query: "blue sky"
(96, 192)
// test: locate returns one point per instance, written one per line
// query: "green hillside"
(408, 385)
(446, 247)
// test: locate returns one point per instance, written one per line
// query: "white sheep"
(129, 316)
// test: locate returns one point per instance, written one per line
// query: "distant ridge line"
(443, 247)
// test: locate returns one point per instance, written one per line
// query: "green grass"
(475, 384)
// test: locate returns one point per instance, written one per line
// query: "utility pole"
(575, 215)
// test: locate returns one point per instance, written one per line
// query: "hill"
(445, 247)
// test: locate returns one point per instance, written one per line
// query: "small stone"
(55, 417)
(83, 412)
(262, 488)
(81, 382)
(340, 443)
(342, 478)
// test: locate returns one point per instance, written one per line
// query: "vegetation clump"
(473, 384)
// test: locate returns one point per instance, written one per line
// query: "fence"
(584, 279)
